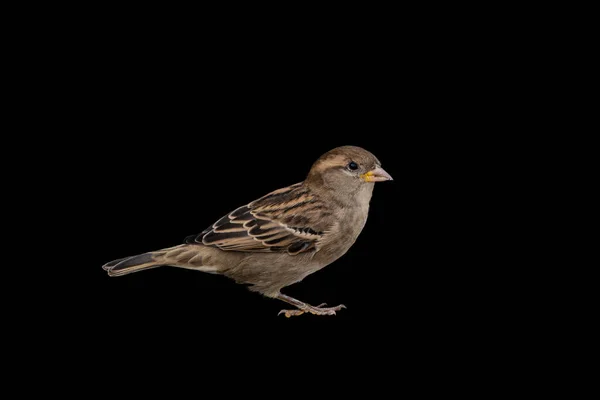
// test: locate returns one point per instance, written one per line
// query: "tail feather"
(111, 264)
(182, 256)
(127, 265)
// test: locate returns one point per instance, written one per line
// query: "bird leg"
(304, 308)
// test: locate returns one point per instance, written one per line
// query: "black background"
(169, 161)
(142, 126)
(165, 130)
(172, 139)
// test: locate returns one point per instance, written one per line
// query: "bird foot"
(318, 310)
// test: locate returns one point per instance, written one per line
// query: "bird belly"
(269, 273)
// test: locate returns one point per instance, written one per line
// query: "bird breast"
(344, 232)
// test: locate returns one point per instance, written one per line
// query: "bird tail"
(128, 265)
(183, 256)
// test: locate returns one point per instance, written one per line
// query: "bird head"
(348, 169)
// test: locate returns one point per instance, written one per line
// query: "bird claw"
(290, 313)
(318, 310)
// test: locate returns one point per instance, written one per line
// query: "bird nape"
(284, 236)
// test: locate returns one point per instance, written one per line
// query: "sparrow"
(284, 236)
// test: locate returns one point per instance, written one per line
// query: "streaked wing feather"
(278, 222)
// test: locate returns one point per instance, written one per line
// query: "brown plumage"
(281, 238)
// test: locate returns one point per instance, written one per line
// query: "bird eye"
(353, 166)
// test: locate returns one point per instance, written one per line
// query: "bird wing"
(290, 220)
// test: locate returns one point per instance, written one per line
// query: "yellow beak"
(377, 175)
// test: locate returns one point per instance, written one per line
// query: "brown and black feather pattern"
(286, 220)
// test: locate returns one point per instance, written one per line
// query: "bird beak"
(377, 175)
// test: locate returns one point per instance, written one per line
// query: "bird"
(284, 236)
